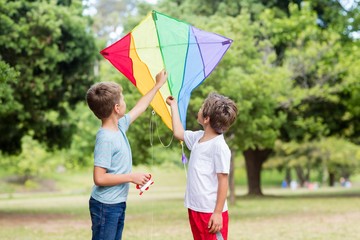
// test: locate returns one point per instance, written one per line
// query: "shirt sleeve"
(190, 137)
(222, 159)
(124, 122)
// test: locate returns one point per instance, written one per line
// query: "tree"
(8, 104)
(331, 158)
(52, 50)
(323, 70)
(246, 74)
(322, 62)
(289, 44)
(258, 88)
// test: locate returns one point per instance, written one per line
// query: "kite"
(159, 42)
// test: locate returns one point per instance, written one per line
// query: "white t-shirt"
(206, 160)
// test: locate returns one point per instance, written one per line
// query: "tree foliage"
(50, 48)
(327, 156)
(290, 69)
(321, 66)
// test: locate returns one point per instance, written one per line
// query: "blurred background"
(293, 70)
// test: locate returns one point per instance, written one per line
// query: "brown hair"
(102, 97)
(221, 110)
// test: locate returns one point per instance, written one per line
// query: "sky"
(347, 4)
(152, 1)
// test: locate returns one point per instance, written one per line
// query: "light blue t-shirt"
(113, 152)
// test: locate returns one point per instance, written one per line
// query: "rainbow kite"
(159, 42)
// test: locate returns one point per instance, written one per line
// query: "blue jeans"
(107, 220)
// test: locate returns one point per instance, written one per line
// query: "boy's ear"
(116, 108)
(207, 119)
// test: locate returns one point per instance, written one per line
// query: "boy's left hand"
(215, 223)
(161, 78)
(170, 100)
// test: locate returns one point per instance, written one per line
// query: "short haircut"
(102, 97)
(221, 110)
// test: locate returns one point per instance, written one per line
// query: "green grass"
(327, 213)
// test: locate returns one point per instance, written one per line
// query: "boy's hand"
(140, 178)
(161, 78)
(177, 126)
(215, 223)
(170, 100)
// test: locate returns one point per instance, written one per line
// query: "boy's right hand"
(161, 78)
(140, 178)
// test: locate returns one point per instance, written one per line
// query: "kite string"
(152, 164)
(183, 157)
(153, 124)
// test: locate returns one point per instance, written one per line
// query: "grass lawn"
(326, 213)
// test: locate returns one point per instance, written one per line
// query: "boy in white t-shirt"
(209, 166)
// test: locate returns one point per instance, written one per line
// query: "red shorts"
(199, 225)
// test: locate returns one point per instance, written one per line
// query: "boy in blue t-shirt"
(112, 156)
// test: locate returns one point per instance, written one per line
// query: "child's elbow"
(98, 181)
(179, 135)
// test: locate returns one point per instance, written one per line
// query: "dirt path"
(45, 222)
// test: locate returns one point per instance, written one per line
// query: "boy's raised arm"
(177, 126)
(145, 101)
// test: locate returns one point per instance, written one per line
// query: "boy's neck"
(110, 123)
(209, 133)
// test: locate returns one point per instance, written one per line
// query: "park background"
(292, 70)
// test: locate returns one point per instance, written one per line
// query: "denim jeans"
(107, 220)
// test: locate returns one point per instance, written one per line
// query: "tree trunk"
(232, 179)
(307, 175)
(331, 179)
(288, 176)
(300, 175)
(254, 160)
